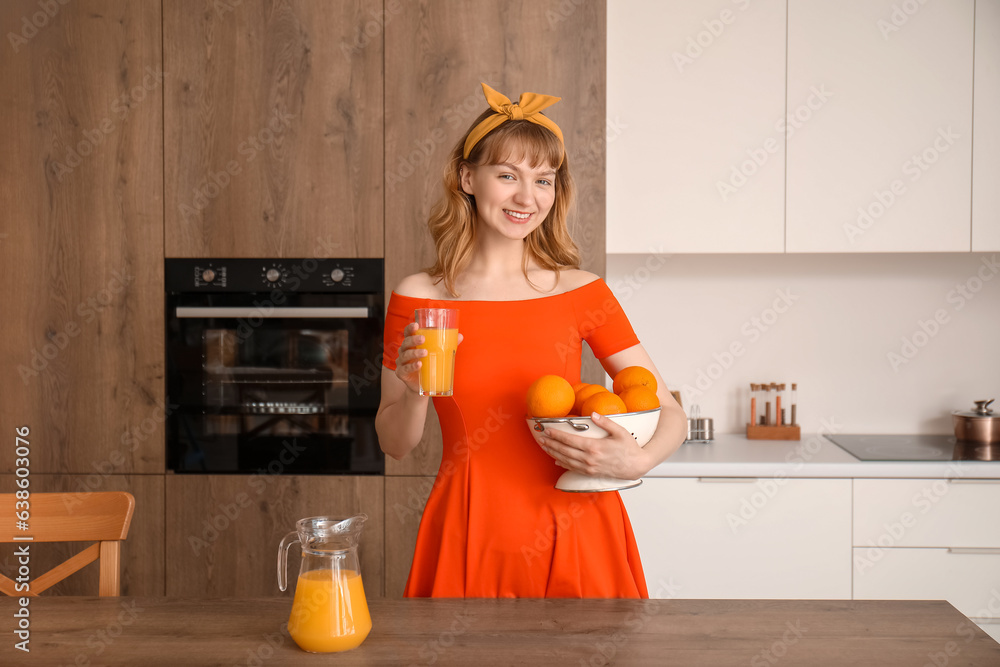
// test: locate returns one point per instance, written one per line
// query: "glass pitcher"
(329, 611)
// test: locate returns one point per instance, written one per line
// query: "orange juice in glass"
(439, 327)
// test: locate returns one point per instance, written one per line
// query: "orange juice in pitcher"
(329, 610)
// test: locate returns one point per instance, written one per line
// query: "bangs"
(517, 140)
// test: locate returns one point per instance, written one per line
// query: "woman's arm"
(671, 429)
(618, 455)
(402, 411)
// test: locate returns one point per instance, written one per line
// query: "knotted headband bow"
(528, 107)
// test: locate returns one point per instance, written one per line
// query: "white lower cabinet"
(992, 629)
(930, 539)
(926, 513)
(744, 538)
(967, 578)
(884, 539)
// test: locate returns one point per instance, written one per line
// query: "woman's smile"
(517, 216)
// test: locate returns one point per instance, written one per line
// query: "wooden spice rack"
(768, 430)
(784, 432)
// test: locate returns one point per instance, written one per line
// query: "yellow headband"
(528, 107)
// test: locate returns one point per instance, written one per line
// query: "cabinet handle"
(974, 550)
(727, 480)
(973, 481)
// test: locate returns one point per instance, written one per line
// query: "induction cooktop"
(914, 448)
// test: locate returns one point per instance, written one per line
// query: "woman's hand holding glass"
(408, 361)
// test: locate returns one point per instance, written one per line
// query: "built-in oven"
(273, 366)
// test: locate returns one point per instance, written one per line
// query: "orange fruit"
(585, 393)
(580, 385)
(550, 396)
(639, 398)
(632, 376)
(604, 403)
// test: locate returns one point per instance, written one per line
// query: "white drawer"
(744, 537)
(926, 513)
(968, 580)
(992, 629)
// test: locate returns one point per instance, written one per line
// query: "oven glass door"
(260, 388)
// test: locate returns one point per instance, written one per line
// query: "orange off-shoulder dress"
(494, 525)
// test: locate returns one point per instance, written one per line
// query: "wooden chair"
(72, 517)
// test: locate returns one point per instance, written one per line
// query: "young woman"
(494, 525)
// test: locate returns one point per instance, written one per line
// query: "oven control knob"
(337, 275)
(273, 275)
(208, 275)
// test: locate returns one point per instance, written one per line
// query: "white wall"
(847, 315)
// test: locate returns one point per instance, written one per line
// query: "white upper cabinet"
(696, 113)
(986, 124)
(884, 163)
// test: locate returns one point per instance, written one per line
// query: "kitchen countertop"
(423, 631)
(732, 455)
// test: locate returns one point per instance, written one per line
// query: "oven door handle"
(270, 312)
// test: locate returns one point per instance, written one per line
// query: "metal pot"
(980, 425)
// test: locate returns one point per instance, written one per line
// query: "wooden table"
(182, 631)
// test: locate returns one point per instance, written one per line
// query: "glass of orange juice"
(439, 327)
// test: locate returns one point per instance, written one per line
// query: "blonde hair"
(452, 220)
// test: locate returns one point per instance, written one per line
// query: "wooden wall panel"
(437, 53)
(405, 498)
(142, 556)
(224, 530)
(82, 241)
(86, 133)
(273, 121)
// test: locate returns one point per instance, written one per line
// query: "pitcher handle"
(287, 541)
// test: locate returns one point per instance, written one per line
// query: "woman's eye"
(507, 176)
(545, 181)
